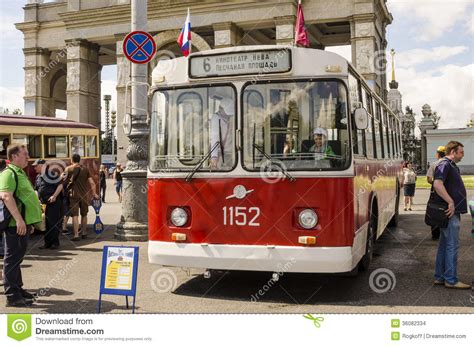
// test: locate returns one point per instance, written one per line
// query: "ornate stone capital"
(137, 154)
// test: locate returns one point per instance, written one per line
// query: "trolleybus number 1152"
(238, 216)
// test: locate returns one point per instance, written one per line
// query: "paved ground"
(68, 278)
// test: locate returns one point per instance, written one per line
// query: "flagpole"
(190, 42)
(295, 37)
(295, 44)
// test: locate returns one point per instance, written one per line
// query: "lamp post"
(107, 99)
(112, 125)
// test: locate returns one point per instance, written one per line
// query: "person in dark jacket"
(102, 182)
(450, 189)
(49, 188)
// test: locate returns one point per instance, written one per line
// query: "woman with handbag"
(409, 184)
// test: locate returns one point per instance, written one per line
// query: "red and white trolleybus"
(269, 157)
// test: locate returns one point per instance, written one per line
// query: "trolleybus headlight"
(308, 218)
(179, 217)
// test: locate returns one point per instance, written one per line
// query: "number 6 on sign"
(240, 215)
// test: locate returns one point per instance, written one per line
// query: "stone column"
(123, 77)
(285, 30)
(37, 94)
(427, 123)
(83, 82)
(226, 35)
(364, 54)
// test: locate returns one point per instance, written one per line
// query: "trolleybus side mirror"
(361, 118)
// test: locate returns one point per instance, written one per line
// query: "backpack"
(5, 214)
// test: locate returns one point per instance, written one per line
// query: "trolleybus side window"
(358, 136)
(187, 123)
(369, 132)
(392, 137)
(32, 142)
(34, 146)
(386, 134)
(5, 141)
(399, 138)
(77, 145)
(56, 146)
(378, 131)
(304, 125)
(91, 146)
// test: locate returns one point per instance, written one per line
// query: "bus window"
(77, 145)
(34, 146)
(255, 104)
(358, 136)
(354, 92)
(91, 146)
(20, 139)
(388, 148)
(32, 142)
(187, 123)
(378, 132)
(370, 138)
(55, 146)
(190, 122)
(5, 139)
(304, 126)
(392, 138)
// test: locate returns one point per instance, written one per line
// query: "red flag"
(301, 36)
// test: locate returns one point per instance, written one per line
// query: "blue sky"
(434, 40)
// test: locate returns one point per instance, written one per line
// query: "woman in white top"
(409, 182)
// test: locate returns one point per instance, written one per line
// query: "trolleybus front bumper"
(295, 259)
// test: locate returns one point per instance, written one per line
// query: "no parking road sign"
(139, 47)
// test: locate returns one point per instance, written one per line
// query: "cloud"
(470, 24)
(11, 98)
(10, 13)
(421, 56)
(433, 18)
(448, 90)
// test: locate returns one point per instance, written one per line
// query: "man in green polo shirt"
(24, 214)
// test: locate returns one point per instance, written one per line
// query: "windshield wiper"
(200, 163)
(277, 163)
(220, 141)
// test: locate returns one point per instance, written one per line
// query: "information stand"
(119, 273)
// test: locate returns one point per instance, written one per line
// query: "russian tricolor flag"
(184, 39)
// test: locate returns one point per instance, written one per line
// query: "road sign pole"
(137, 49)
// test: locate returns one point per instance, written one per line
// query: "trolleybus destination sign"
(241, 63)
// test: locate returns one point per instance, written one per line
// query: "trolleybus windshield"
(303, 124)
(190, 125)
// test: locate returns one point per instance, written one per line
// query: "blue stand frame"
(132, 292)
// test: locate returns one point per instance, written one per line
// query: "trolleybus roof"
(23, 120)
